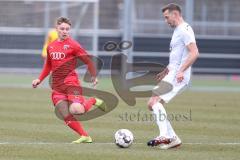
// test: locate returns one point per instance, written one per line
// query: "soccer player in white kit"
(183, 53)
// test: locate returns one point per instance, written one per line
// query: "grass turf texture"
(27, 118)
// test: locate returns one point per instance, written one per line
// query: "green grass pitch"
(207, 122)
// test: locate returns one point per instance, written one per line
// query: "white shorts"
(176, 88)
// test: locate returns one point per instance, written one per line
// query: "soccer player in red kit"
(61, 61)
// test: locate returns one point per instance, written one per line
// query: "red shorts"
(57, 97)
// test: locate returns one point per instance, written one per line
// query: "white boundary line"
(103, 143)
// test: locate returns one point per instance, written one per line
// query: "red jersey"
(62, 61)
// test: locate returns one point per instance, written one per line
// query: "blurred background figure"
(51, 36)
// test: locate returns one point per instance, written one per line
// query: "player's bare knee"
(162, 101)
(62, 108)
(150, 108)
(153, 100)
(150, 103)
(76, 108)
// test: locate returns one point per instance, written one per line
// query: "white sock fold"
(161, 119)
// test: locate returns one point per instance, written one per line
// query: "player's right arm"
(45, 72)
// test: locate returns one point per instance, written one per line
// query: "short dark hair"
(172, 7)
(61, 20)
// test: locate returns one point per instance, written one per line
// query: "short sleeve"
(188, 35)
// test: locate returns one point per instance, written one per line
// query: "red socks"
(75, 125)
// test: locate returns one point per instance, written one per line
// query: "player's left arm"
(85, 57)
(192, 56)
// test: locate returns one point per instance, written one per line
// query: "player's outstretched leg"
(72, 123)
(96, 102)
(87, 106)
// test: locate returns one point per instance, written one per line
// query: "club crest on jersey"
(57, 55)
(65, 47)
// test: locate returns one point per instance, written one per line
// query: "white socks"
(161, 118)
(171, 132)
(163, 123)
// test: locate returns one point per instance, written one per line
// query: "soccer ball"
(123, 138)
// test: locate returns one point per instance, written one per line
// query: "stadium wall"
(218, 56)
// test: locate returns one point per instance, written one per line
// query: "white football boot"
(175, 142)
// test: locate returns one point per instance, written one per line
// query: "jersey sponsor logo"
(57, 55)
(65, 47)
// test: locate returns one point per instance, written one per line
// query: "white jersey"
(182, 36)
